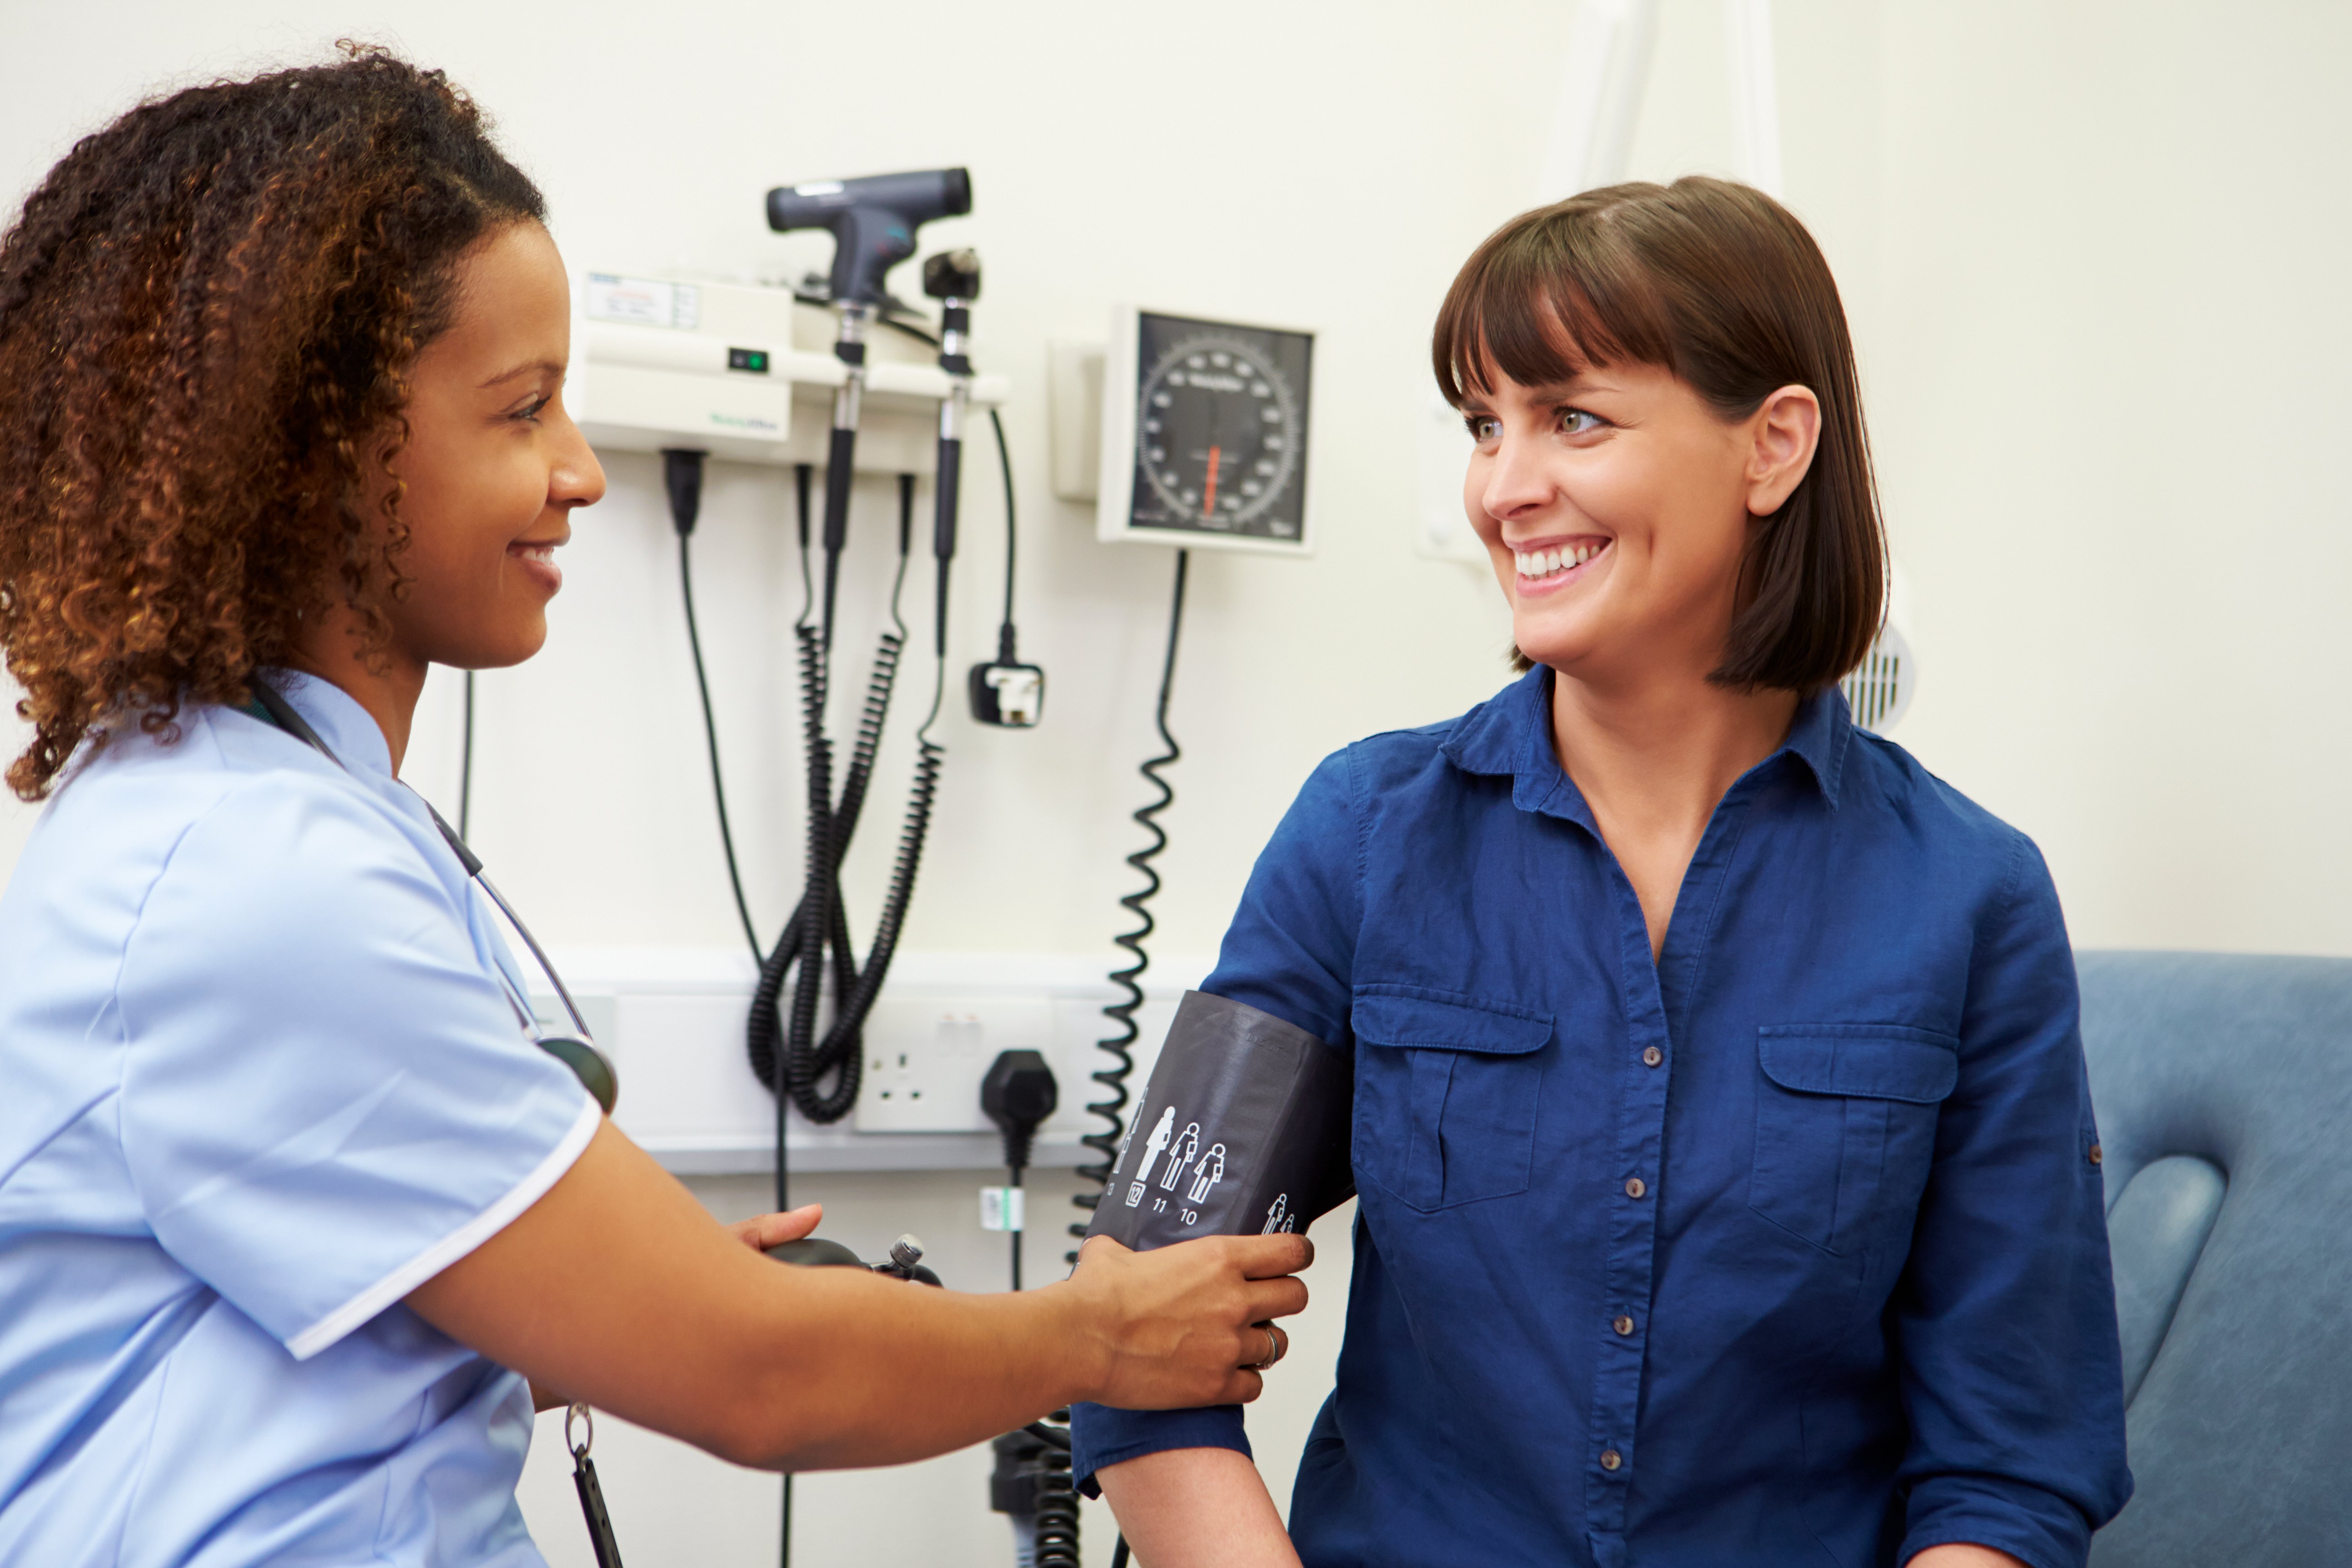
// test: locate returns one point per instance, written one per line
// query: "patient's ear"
(1784, 433)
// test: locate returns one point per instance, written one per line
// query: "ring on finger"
(1274, 1348)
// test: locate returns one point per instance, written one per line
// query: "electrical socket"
(925, 1059)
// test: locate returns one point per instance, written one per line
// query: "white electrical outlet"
(925, 1058)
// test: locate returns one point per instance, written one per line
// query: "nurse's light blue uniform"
(261, 1082)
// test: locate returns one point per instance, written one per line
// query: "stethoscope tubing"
(283, 715)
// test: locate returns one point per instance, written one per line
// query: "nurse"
(1728, 1186)
(295, 1219)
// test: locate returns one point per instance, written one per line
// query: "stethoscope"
(590, 1066)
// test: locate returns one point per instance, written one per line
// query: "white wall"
(2111, 417)
(2092, 252)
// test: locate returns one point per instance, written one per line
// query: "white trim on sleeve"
(456, 1245)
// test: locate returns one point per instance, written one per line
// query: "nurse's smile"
(536, 560)
(485, 483)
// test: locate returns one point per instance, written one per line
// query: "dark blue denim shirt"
(1787, 1248)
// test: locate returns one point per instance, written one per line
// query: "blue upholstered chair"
(2223, 1085)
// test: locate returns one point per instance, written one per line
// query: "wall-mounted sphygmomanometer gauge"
(1204, 433)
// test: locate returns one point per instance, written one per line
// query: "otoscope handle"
(838, 472)
(951, 476)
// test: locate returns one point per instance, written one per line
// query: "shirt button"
(2097, 1154)
(1611, 1458)
(1624, 1325)
(1635, 1187)
(1651, 1056)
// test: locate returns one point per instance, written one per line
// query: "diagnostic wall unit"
(747, 373)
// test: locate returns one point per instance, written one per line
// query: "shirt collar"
(1510, 733)
(1818, 737)
(340, 722)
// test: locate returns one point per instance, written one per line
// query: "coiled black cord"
(818, 932)
(1121, 1046)
(761, 1029)
(684, 477)
(929, 757)
(1122, 1013)
(1057, 1499)
(819, 929)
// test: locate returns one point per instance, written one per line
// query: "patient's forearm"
(1197, 1507)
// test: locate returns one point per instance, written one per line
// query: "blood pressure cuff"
(1242, 1131)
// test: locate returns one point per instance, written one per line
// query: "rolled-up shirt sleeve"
(2005, 1318)
(1289, 952)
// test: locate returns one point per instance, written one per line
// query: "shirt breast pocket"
(1845, 1126)
(1446, 1094)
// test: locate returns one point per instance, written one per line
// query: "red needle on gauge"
(1209, 497)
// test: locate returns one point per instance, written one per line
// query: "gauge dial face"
(1221, 428)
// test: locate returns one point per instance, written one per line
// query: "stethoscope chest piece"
(592, 1067)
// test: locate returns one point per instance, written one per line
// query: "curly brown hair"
(207, 312)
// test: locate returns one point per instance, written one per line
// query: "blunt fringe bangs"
(1720, 285)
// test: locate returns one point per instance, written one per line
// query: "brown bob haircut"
(1719, 284)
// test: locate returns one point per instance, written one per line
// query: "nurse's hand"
(1185, 1326)
(775, 1229)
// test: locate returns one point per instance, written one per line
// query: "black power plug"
(682, 478)
(1018, 1093)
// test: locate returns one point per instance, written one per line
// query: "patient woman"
(1730, 1190)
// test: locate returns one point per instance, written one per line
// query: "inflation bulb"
(906, 1261)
